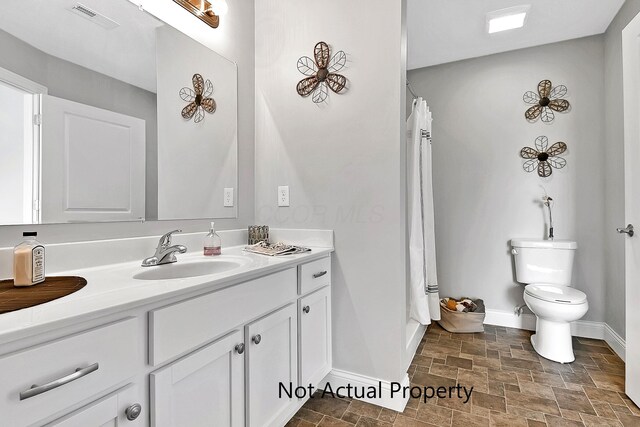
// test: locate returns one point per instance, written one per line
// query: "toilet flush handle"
(514, 251)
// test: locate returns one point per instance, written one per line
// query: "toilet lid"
(556, 294)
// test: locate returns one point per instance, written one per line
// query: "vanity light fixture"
(507, 19)
(205, 10)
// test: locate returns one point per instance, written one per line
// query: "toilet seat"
(556, 294)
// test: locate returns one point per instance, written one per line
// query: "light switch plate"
(283, 195)
(228, 197)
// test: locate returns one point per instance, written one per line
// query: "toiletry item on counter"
(275, 249)
(258, 233)
(212, 242)
(28, 261)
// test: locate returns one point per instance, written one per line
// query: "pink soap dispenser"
(212, 242)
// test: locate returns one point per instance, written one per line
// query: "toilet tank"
(543, 261)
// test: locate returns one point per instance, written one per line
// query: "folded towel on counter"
(275, 249)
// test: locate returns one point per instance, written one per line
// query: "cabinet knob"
(133, 411)
(239, 348)
(306, 309)
(256, 339)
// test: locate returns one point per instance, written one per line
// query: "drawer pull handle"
(318, 275)
(133, 411)
(306, 309)
(256, 339)
(39, 389)
(239, 348)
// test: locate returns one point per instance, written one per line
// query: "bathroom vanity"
(204, 341)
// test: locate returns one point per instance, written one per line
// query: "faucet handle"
(165, 240)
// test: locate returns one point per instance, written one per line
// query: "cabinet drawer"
(314, 275)
(181, 327)
(82, 366)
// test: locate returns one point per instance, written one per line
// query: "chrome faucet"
(165, 253)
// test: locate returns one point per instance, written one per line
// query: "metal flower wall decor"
(322, 73)
(543, 157)
(546, 101)
(199, 99)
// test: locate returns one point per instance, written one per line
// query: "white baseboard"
(414, 333)
(338, 378)
(580, 328)
(510, 320)
(615, 341)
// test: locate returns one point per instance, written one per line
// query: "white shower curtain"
(425, 304)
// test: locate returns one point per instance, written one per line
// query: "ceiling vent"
(93, 16)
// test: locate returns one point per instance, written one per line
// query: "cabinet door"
(120, 408)
(271, 360)
(205, 388)
(315, 336)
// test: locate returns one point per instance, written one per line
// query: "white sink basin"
(186, 269)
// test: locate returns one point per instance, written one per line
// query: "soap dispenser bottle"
(212, 242)
(28, 261)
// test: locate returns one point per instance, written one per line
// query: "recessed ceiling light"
(507, 19)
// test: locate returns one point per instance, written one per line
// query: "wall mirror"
(90, 117)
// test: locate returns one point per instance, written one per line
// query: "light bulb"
(219, 7)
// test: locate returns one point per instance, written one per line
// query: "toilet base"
(552, 341)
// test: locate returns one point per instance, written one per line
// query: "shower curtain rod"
(411, 90)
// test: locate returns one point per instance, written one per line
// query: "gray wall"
(66, 80)
(344, 164)
(235, 41)
(483, 197)
(614, 159)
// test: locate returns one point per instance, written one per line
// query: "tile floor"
(513, 386)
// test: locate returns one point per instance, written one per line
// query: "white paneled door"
(93, 163)
(631, 67)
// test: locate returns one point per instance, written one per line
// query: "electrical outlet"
(228, 197)
(283, 195)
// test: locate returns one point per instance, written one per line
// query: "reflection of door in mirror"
(19, 145)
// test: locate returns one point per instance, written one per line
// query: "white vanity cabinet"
(314, 316)
(205, 388)
(206, 358)
(272, 358)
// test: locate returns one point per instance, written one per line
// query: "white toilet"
(546, 266)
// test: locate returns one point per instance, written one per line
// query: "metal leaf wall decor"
(322, 73)
(543, 157)
(546, 101)
(199, 99)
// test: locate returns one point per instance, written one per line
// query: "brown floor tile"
(364, 409)
(629, 420)
(468, 420)
(506, 420)
(332, 407)
(489, 401)
(402, 421)
(607, 381)
(350, 417)
(553, 421)
(513, 386)
(434, 414)
(308, 415)
(369, 422)
(459, 362)
(581, 378)
(591, 421)
(554, 380)
(532, 403)
(387, 415)
(333, 422)
(573, 400)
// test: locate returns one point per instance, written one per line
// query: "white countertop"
(112, 288)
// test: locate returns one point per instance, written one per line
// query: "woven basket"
(460, 322)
